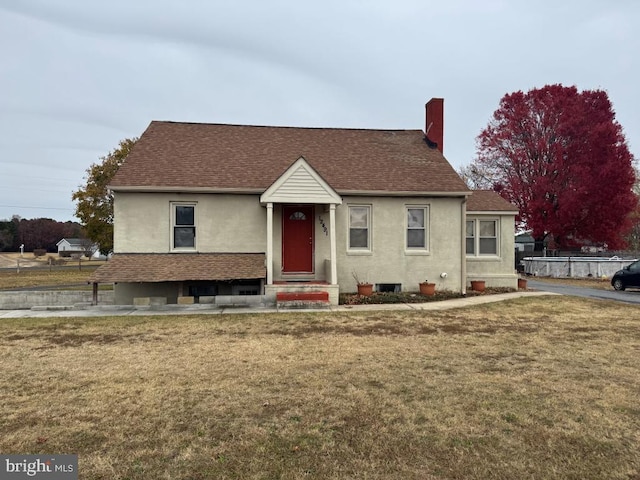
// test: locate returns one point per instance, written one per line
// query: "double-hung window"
(417, 221)
(360, 228)
(482, 237)
(184, 226)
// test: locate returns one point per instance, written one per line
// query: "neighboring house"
(205, 210)
(71, 246)
(525, 246)
(525, 242)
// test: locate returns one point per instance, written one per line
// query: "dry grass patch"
(45, 277)
(531, 388)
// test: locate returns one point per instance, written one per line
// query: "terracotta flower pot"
(522, 283)
(365, 289)
(477, 285)
(427, 288)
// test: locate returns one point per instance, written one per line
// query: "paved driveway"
(628, 296)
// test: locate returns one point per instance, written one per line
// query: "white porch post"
(269, 243)
(332, 229)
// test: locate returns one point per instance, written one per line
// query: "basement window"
(388, 287)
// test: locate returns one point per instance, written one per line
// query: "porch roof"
(177, 267)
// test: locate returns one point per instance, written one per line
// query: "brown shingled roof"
(250, 158)
(489, 201)
(176, 267)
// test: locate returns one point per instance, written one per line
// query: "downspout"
(463, 248)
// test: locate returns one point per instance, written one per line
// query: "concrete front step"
(308, 299)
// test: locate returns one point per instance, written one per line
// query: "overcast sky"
(77, 76)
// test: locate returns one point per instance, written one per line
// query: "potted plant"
(364, 288)
(427, 288)
(522, 283)
(477, 285)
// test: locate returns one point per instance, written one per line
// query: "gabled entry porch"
(301, 235)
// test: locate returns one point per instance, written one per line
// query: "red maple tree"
(560, 156)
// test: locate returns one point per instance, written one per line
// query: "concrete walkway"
(111, 310)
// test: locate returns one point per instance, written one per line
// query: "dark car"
(629, 276)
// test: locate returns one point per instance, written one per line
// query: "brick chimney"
(434, 128)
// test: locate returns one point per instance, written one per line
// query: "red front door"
(297, 239)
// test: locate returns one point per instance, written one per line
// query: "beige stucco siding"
(388, 261)
(495, 270)
(224, 223)
(237, 223)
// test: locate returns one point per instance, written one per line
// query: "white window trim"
(360, 250)
(476, 239)
(172, 226)
(427, 229)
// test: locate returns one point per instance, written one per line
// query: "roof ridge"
(173, 122)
